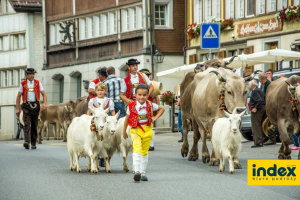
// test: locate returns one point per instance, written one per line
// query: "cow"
(66, 112)
(81, 106)
(50, 116)
(203, 94)
(283, 108)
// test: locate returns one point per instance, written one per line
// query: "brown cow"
(49, 116)
(81, 106)
(65, 113)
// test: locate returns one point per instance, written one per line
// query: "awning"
(274, 55)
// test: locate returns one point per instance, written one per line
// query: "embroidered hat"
(102, 71)
(30, 71)
(132, 61)
(145, 71)
(142, 86)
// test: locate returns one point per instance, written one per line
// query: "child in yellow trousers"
(139, 117)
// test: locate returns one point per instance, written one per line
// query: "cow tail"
(266, 127)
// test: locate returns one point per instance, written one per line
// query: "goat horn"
(231, 59)
(249, 78)
(220, 78)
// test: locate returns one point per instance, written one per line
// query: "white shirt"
(93, 85)
(98, 101)
(30, 95)
(133, 81)
(143, 110)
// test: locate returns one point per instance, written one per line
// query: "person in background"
(296, 142)
(269, 74)
(114, 85)
(30, 91)
(179, 119)
(265, 82)
(257, 107)
(102, 75)
(153, 100)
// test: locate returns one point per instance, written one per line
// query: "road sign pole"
(209, 54)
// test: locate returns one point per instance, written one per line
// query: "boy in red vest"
(139, 116)
(30, 90)
(133, 79)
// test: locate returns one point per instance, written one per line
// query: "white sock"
(153, 138)
(144, 164)
(136, 157)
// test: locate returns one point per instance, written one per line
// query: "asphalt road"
(44, 174)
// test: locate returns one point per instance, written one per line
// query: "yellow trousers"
(141, 140)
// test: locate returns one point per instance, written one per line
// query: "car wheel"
(248, 136)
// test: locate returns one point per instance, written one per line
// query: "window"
(3, 6)
(232, 53)
(231, 7)
(114, 16)
(11, 78)
(284, 3)
(95, 26)
(79, 82)
(198, 11)
(250, 7)
(262, 6)
(100, 25)
(296, 2)
(82, 28)
(134, 19)
(0, 117)
(1, 79)
(61, 90)
(127, 21)
(17, 73)
(208, 9)
(5, 79)
(160, 15)
(241, 8)
(107, 24)
(89, 29)
(218, 10)
(1, 43)
(273, 5)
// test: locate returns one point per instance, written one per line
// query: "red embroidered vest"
(36, 88)
(134, 116)
(129, 85)
(94, 81)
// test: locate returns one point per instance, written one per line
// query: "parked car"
(246, 128)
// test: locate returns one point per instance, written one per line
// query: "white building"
(21, 44)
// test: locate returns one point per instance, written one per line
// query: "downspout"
(44, 35)
(185, 21)
(152, 35)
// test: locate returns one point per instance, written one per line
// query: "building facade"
(255, 29)
(108, 33)
(20, 47)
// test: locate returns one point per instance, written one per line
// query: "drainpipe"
(185, 22)
(152, 36)
(44, 35)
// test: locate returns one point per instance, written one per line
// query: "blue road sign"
(210, 36)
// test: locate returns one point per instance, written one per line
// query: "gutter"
(185, 20)
(27, 9)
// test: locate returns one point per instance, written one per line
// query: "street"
(44, 174)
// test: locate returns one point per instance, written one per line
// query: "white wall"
(8, 123)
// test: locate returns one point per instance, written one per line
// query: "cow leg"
(284, 151)
(65, 131)
(39, 129)
(185, 144)
(47, 129)
(213, 160)
(205, 152)
(194, 155)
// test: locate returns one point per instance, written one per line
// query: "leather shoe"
(137, 176)
(26, 145)
(257, 145)
(181, 140)
(151, 148)
(144, 177)
(269, 142)
(33, 147)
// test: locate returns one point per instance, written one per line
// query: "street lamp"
(159, 57)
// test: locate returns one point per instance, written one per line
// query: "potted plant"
(288, 13)
(193, 30)
(167, 97)
(227, 24)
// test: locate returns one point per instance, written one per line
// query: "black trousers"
(30, 121)
(257, 120)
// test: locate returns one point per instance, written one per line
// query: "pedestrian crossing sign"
(210, 36)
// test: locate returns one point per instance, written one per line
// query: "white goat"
(108, 145)
(226, 138)
(81, 141)
(123, 146)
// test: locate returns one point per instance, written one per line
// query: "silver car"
(246, 128)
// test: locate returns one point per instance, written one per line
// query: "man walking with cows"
(30, 91)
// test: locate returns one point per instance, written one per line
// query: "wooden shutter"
(192, 59)
(248, 69)
(221, 54)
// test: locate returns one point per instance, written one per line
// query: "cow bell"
(220, 78)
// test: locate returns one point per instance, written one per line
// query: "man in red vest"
(30, 90)
(133, 79)
(102, 75)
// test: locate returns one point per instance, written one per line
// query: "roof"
(26, 5)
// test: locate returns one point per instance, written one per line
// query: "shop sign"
(258, 27)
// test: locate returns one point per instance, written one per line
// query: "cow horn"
(220, 78)
(231, 59)
(290, 86)
(249, 78)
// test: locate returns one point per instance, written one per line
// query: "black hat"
(102, 71)
(145, 71)
(132, 61)
(30, 71)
